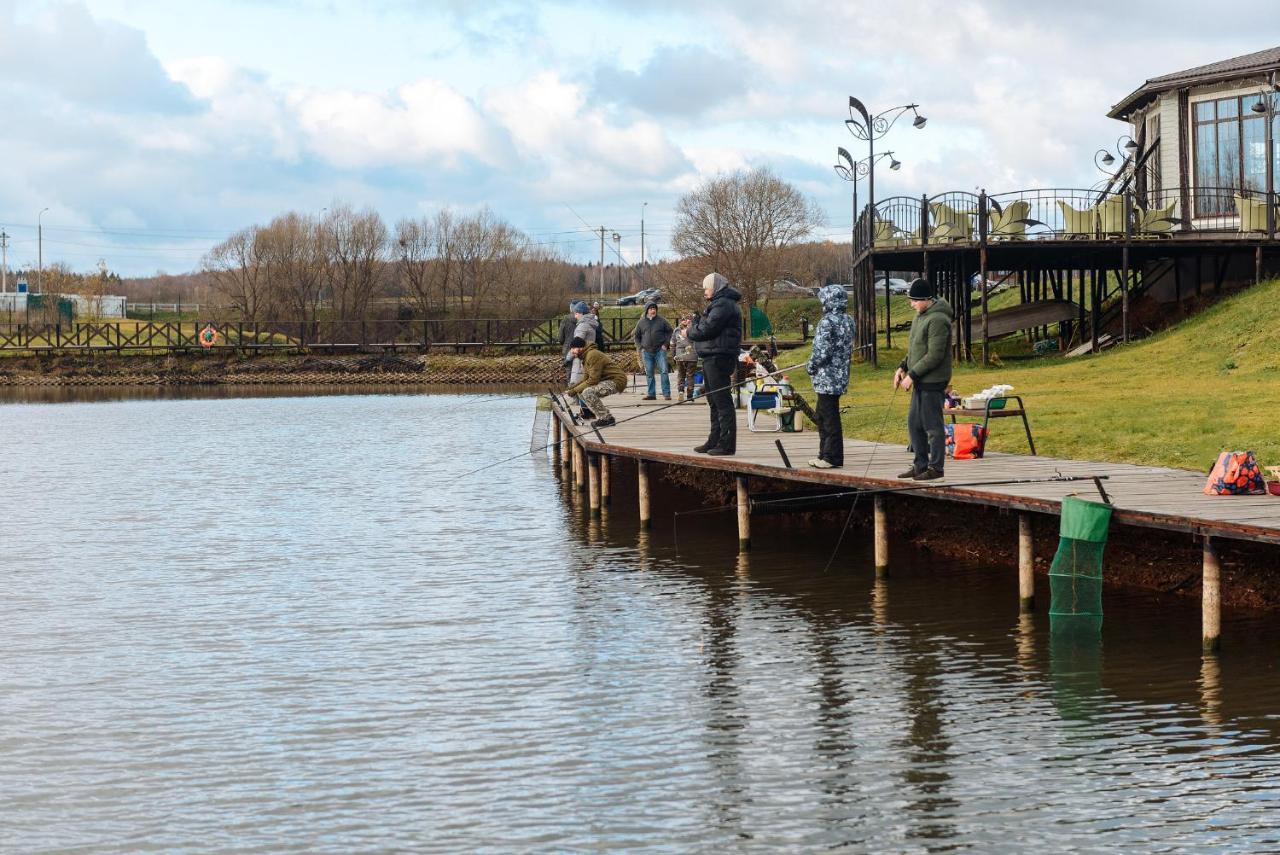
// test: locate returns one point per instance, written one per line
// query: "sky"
(152, 130)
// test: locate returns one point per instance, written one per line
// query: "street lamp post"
(40, 252)
(852, 171)
(617, 250)
(865, 126)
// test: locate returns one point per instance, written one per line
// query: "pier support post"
(604, 478)
(882, 537)
(557, 436)
(566, 448)
(579, 467)
(1026, 565)
(593, 484)
(1211, 598)
(744, 516)
(642, 486)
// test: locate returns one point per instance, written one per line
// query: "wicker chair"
(1078, 223)
(1253, 214)
(1010, 224)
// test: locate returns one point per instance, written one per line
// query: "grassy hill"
(1175, 399)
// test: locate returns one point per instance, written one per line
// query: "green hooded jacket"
(595, 368)
(928, 361)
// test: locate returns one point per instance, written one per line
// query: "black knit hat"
(578, 341)
(920, 290)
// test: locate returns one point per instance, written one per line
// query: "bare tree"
(291, 246)
(741, 225)
(354, 245)
(239, 268)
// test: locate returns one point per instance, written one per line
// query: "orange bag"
(1235, 474)
(966, 441)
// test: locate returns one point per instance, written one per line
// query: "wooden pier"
(1148, 496)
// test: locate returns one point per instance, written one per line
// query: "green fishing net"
(1075, 578)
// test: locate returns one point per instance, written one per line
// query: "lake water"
(250, 624)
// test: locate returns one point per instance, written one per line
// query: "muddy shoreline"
(221, 369)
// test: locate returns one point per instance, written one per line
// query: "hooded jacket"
(682, 347)
(832, 343)
(596, 368)
(928, 361)
(652, 334)
(588, 328)
(719, 331)
(567, 324)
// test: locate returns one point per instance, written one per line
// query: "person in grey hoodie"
(829, 369)
(926, 371)
(653, 337)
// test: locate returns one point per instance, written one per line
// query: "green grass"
(1175, 399)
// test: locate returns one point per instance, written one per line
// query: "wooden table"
(987, 413)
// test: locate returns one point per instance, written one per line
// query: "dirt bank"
(215, 369)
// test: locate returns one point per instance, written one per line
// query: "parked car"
(648, 295)
(896, 286)
(785, 288)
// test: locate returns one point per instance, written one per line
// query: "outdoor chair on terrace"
(949, 223)
(885, 230)
(1253, 214)
(1010, 223)
(1157, 222)
(1111, 214)
(1078, 223)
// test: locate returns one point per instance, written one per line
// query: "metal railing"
(957, 217)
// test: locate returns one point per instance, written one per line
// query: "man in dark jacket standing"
(717, 336)
(652, 336)
(567, 324)
(926, 372)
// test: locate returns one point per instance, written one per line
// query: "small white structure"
(14, 306)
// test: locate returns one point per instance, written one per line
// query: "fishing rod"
(567, 408)
(880, 491)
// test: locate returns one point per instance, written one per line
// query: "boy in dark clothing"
(717, 338)
(926, 371)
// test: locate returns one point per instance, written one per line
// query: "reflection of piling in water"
(880, 605)
(1026, 642)
(743, 568)
(1210, 689)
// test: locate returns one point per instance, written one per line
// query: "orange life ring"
(208, 336)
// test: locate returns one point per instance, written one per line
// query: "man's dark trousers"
(925, 429)
(719, 372)
(830, 431)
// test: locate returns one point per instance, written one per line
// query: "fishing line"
(874, 448)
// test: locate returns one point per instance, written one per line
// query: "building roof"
(1227, 69)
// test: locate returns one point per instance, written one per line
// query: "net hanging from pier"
(1075, 578)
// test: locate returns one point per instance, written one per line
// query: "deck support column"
(642, 486)
(579, 467)
(1211, 599)
(881, 536)
(556, 438)
(744, 516)
(593, 484)
(604, 478)
(1026, 566)
(566, 448)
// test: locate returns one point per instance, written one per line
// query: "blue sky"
(153, 129)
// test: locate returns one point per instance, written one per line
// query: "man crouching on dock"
(926, 372)
(600, 378)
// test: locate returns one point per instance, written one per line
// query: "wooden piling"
(557, 436)
(744, 516)
(642, 485)
(579, 467)
(593, 484)
(1026, 565)
(882, 538)
(604, 479)
(1211, 598)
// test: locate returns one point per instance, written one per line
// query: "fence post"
(924, 219)
(983, 227)
(1124, 264)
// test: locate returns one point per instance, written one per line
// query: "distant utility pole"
(602, 262)
(617, 250)
(643, 279)
(4, 263)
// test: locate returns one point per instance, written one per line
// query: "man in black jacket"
(717, 337)
(652, 337)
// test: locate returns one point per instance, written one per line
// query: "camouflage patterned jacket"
(832, 343)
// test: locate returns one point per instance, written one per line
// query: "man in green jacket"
(926, 372)
(600, 377)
